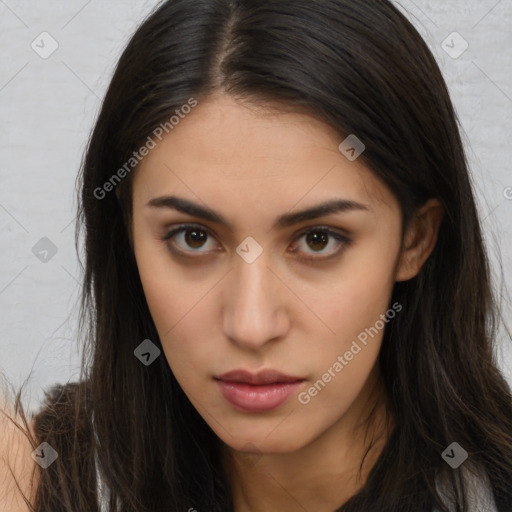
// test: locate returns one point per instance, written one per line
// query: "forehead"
(227, 151)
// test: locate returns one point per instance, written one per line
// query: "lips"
(257, 392)
(262, 377)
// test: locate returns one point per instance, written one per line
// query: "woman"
(287, 302)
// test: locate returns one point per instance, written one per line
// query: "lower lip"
(249, 398)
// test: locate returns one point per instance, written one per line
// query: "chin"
(264, 444)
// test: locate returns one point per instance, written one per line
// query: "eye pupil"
(197, 237)
(317, 238)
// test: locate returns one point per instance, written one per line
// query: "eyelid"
(339, 235)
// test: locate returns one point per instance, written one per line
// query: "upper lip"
(262, 377)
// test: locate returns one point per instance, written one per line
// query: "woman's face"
(248, 288)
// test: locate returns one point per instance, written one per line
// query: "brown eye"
(317, 239)
(195, 238)
(188, 239)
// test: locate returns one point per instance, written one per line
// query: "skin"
(19, 475)
(215, 312)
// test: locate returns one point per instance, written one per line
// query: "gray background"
(48, 106)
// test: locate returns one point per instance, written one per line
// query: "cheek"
(181, 334)
(166, 292)
(341, 363)
(363, 297)
(354, 308)
(355, 298)
(179, 307)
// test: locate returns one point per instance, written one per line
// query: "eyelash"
(343, 240)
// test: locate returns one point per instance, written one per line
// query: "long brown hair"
(362, 68)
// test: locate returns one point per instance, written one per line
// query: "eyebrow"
(288, 219)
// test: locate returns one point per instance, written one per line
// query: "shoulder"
(18, 470)
(56, 424)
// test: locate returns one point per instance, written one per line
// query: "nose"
(255, 308)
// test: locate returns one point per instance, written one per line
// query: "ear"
(419, 239)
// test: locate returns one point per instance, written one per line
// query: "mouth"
(257, 392)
